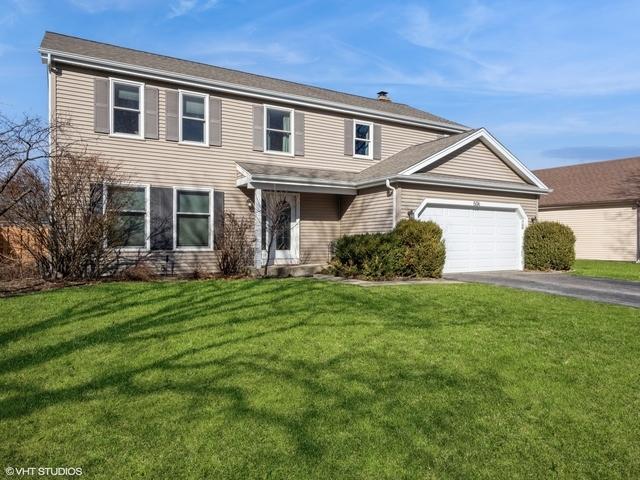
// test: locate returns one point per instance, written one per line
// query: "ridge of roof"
(66, 43)
(589, 164)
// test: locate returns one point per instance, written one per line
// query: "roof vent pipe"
(383, 96)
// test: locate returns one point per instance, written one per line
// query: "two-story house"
(196, 140)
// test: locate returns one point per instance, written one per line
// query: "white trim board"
(492, 143)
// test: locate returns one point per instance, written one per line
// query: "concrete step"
(306, 270)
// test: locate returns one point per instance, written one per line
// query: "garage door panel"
(478, 239)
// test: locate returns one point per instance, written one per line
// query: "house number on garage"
(476, 203)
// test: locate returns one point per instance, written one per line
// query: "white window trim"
(205, 140)
(175, 218)
(140, 85)
(147, 213)
(291, 133)
(370, 140)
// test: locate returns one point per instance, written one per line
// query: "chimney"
(383, 96)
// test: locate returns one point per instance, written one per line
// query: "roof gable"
(475, 160)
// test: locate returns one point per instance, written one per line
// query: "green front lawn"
(305, 379)
(607, 269)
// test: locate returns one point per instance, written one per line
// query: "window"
(193, 117)
(126, 104)
(362, 139)
(278, 127)
(130, 207)
(193, 219)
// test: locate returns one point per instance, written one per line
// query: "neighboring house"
(599, 201)
(197, 139)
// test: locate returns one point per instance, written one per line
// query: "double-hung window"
(128, 205)
(126, 105)
(362, 135)
(193, 209)
(193, 117)
(278, 128)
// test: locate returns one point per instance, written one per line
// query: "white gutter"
(395, 202)
(189, 80)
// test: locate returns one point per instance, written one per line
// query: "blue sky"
(556, 82)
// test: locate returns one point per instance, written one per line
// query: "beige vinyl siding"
(604, 233)
(413, 196)
(477, 161)
(319, 226)
(368, 212)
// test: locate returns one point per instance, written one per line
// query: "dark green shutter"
(161, 200)
(218, 218)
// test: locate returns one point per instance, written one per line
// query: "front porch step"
(307, 270)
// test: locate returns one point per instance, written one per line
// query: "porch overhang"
(289, 179)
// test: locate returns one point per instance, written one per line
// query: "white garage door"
(478, 237)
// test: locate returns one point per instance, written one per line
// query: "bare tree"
(276, 224)
(234, 246)
(72, 230)
(22, 142)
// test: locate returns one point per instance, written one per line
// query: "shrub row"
(412, 249)
(549, 246)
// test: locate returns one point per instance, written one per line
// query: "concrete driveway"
(619, 292)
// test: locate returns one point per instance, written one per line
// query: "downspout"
(395, 201)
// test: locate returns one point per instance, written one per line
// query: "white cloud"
(183, 7)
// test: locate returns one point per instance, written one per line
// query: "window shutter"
(218, 218)
(215, 122)
(258, 128)
(101, 105)
(377, 141)
(151, 112)
(161, 202)
(171, 115)
(348, 136)
(298, 141)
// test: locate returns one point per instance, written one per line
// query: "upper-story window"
(193, 117)
(126, 103)
(362, 135)
(278, 128)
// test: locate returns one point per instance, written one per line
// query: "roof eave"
(173, 77)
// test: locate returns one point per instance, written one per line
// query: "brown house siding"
(368, 212)
(477, 161)
(602, 233)
(164, 163)
(413, 196)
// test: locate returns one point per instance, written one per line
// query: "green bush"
(549, 246)
(412, 249)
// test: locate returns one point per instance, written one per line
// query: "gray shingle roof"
(410, 156)
(588, 183)
(103, 51)
(269, 170)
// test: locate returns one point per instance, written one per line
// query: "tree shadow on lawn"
(401, 403)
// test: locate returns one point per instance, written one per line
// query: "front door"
(280, 227)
